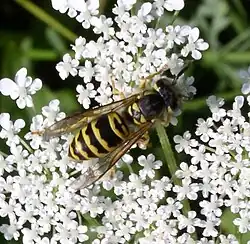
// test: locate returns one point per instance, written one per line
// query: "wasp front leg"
(144, 82)
(115, 90)
(143, 142)
(167, 117)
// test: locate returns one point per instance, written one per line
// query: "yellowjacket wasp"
(108, 132)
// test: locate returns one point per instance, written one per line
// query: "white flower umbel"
(38, 202)
(218, 170)
(127, 50)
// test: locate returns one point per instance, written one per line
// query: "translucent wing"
(78, 120)
(97, 170)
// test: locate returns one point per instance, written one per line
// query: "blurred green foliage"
(35, 36)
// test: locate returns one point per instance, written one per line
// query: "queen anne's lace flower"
(149, 165)
(221, 159)
(171, 5)
(85, 94)
(52, 112)
(68, 66)
(21, 89)
(194, 45)
(89, 9)
(9, 130)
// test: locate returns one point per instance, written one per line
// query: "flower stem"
(26, 145)
(176, 13)
(91, 221)
(79, 217)
(39, 13)
(130, 169)
(167, 151)
(3, 154)
(170, 160)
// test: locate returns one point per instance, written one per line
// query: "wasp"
(108, 132)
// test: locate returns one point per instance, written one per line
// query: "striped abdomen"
(99, 137)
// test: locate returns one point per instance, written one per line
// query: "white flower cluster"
(127, 50)
(36, 197)
(37, 201)
(219, 169)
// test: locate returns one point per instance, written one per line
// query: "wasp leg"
(167, 117)
(110, 175)
(143, 142)
(144, 81)
(115, 90)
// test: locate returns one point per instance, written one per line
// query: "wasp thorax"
(151, 105)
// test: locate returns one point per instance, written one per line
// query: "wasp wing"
(97, 170)
(78, 120)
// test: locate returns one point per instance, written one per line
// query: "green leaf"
(68, 102)
(15, 56)
(56, 40)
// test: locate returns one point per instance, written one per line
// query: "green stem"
(42, 54)
(73, 173)
(157, 23)
(50, 21)
(237, 57)
(79, 217)
(240, 9)
(170, 160)
(130, 169)
(236, 43)
(199, 103)
(26, 145)
(91, 221)
(4, 154)
(238, 16)
(167, 151)
(240, 57)
(176, 13)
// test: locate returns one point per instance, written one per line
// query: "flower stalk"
(170, 160)
(167, 151)
(39, 13)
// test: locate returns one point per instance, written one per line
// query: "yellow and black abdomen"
(99, 137)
